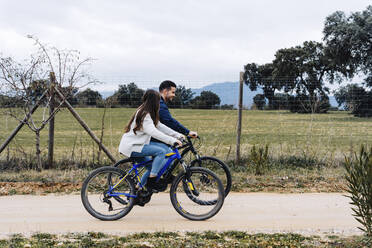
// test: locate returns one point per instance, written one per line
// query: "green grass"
(323, 136)
(188, 239)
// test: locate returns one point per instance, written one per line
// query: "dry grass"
(288, 180)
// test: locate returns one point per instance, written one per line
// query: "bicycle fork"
(188, 181)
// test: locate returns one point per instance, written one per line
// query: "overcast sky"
(193, 42)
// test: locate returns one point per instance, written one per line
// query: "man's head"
(167, 90)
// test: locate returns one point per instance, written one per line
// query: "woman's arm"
(163, 128)
(150, 129)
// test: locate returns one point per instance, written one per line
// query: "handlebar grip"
(175, 145)
(189, 137)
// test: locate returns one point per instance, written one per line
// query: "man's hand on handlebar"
(193, 134)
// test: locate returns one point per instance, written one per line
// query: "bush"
(227, 106)
(359, 183)
(304, 104)
(259, 159)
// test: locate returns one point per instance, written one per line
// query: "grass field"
(326, 137)
(187, 239)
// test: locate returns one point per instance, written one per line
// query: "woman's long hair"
(150, 105)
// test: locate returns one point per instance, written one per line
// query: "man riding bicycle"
(167, 90)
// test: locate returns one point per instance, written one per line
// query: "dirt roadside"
(312, 213)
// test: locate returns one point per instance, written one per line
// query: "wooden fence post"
(84, 125)
(52, 79)
(20, 125)
(239, 124)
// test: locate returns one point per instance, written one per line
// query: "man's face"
(169, 94)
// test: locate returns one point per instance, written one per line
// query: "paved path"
(252, 212)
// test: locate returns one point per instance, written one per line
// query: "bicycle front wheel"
(218, 167)
(103, 201)
(201, 184)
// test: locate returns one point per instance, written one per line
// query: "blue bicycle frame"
(171, 157)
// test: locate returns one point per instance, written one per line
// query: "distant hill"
(228, 93)
(106, 94)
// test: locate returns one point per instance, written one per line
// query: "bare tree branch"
(25, 81)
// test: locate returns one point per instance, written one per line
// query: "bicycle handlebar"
(189, 138)
(184, 143)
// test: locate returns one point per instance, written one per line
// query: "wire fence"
(325, 136)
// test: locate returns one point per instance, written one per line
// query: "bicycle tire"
(182, 203)
(211, 163)
(92, 190)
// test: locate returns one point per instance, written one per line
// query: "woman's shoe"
(151, 184)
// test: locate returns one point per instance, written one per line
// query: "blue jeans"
(157, 150)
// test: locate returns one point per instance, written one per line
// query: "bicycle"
(211, 163)
(109, 193)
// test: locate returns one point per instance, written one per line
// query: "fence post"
(239, 124)
(52, 78)
(83, 124)
(21, 123)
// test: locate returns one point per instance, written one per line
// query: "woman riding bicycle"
(136, 141)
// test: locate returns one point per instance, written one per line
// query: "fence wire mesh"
(325, 136)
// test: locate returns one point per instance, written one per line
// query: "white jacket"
(134, 142)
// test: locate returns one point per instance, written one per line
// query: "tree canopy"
(127, 95)
(262, 76)
(303, 70)
(206, 100)
(89, 97)
(259, 101)
(349, 41)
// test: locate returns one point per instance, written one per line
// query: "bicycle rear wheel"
(103, 202)
(201, 184)
(218, 167)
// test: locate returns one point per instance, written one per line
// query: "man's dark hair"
(167, 84)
